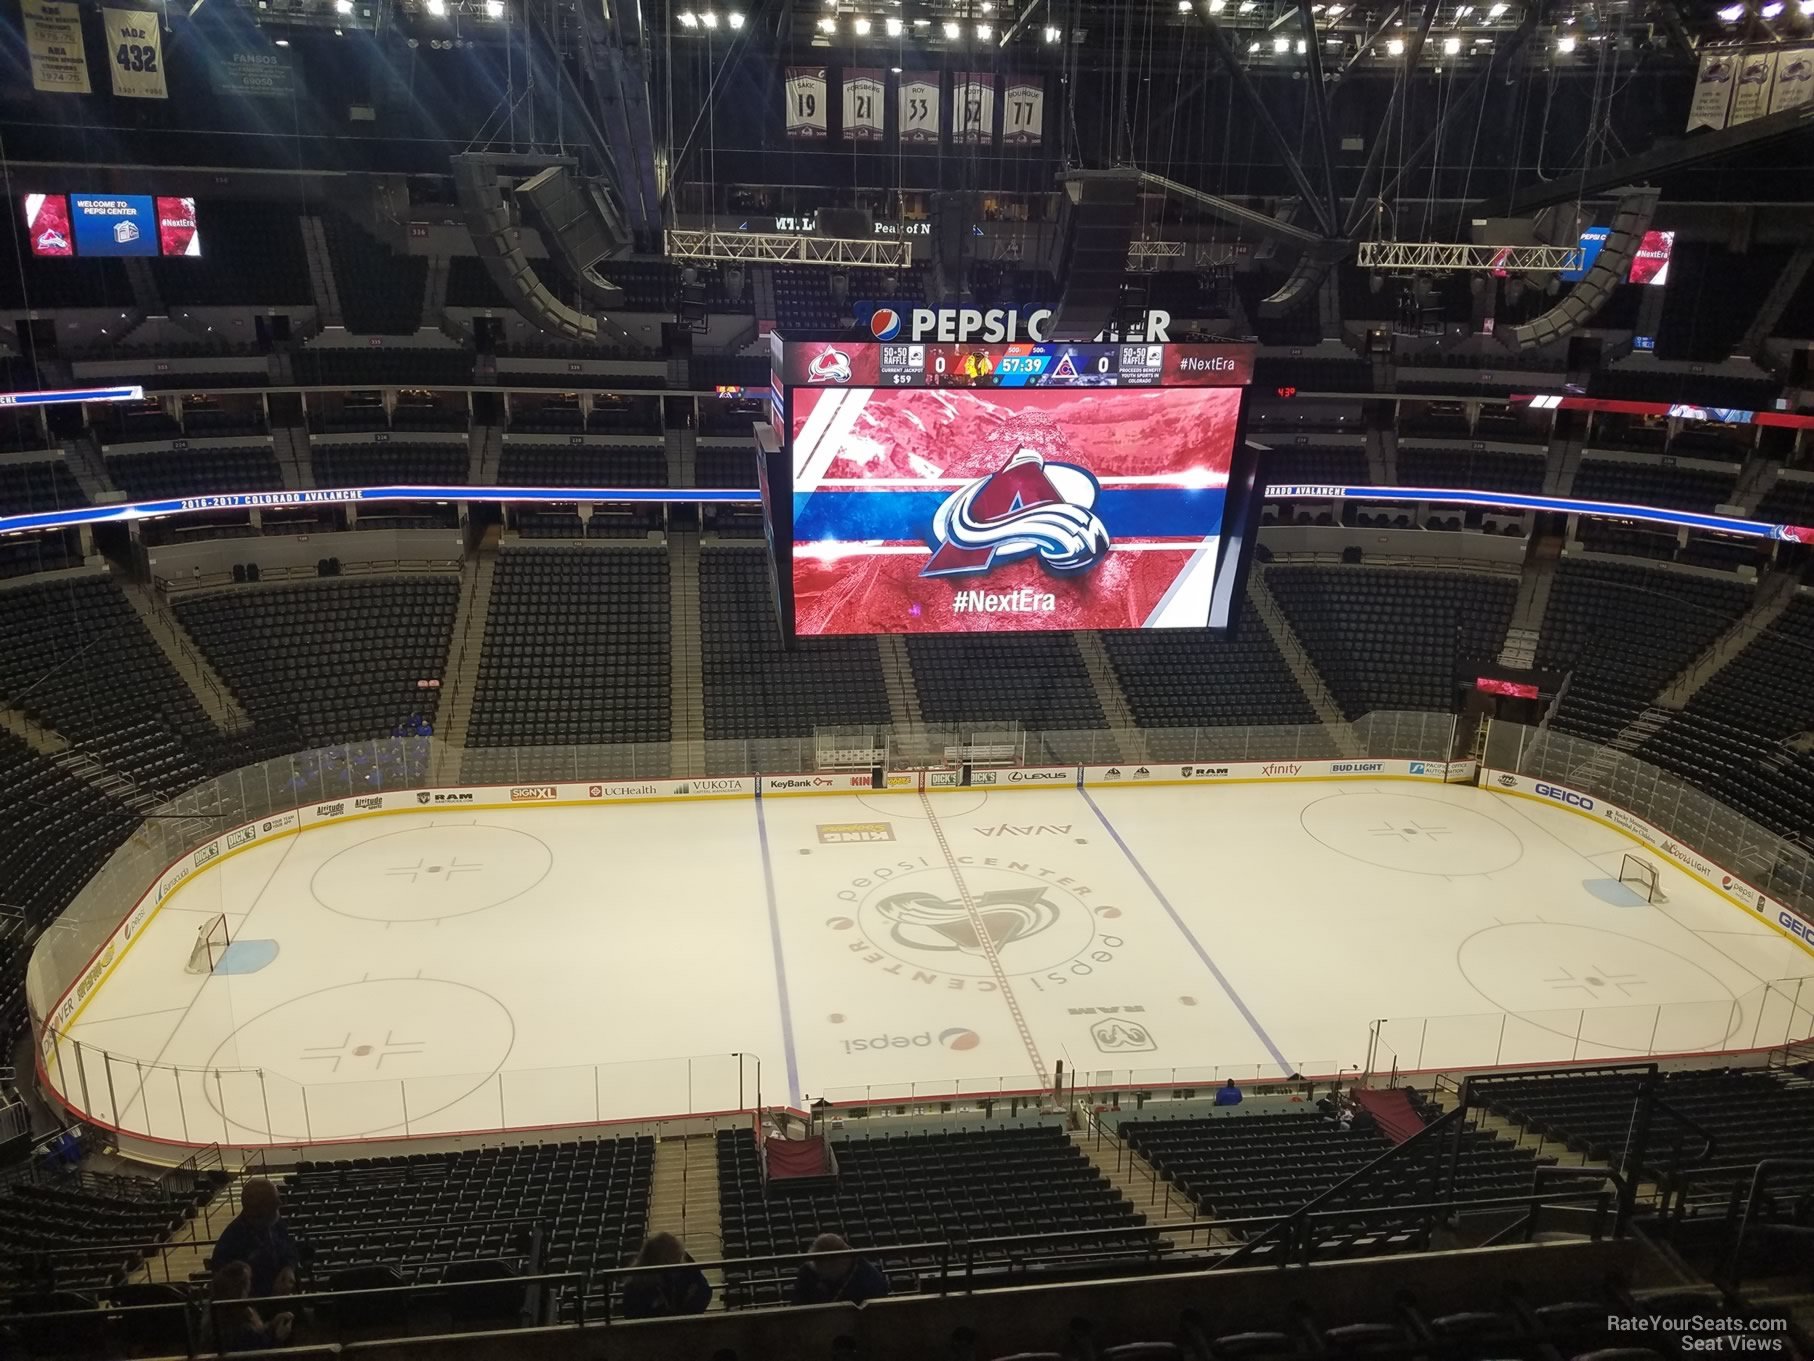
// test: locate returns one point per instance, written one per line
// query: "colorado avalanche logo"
(885, 324)
(921, 921)
(1031, 505)
(832, 366)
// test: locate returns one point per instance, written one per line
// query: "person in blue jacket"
(832, 1273)
(681, 1289)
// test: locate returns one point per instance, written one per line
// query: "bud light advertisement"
(942, 510)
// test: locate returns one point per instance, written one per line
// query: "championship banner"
(1794, 79)
(59, 60)
(806, 114)
(1023, 119)
(863, 91)
(919, 100)
(973, 109)
(135, 49)
(1713, 90)
(1751, 92)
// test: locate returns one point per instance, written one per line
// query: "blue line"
(774, 940)
(1285, 1069)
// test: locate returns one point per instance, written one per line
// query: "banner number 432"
(136, 57)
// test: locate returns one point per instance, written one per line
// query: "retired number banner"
(59, 59)
(973, 112)
(135, 50)
(919, 101)
(863, 91)
(806, 114)
(1023, 115)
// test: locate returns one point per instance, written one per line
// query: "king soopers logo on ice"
(1030, 506)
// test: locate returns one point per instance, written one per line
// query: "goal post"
(1640, 876)
(211, 941)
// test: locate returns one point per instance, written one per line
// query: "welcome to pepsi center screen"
(971, 488)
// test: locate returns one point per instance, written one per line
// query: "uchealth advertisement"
(951, 510)
(1686, 858)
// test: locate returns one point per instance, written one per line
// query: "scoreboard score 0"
(1042, 364)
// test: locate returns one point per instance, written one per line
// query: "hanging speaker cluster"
(1609, 270)
(498, 242)
(1096, 221)
(580, 227)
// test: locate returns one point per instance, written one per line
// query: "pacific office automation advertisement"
(951, 511)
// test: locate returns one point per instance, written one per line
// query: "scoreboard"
(1033, 364)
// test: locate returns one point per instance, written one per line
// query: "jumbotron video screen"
(942, 489)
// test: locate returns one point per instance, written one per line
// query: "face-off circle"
(1411, 834)
(374, 1057)
(426, 874)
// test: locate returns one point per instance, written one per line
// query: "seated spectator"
(833, 1274)
(259, 1238)
(234, 1326)
(663, 1294)
(1229, 1095)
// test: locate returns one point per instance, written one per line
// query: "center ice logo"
(922, 921)
(1031, 505)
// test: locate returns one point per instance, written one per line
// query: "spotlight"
(1184, 6)
(953, 31)
(1496, 11)
(438, 8)
(861, 27)
(687, 19)
(1249, 6)
(709, 19)
(1281, 44)
(494, 9)
(343, 6)
(1052, 34)
(984, 32)
(1335, 11)
(736, 20)
(282, 42)
(1396, 47)
(1771, 10)
(1731, 14)
(894, 28)
(1451, 45)
(1217, 6)
(1565, 45)
(828, 25)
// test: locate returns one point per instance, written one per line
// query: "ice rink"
(453, 970)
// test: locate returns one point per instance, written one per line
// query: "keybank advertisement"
(942, 510)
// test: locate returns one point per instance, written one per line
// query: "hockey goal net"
(1640, 876)
(210, 946)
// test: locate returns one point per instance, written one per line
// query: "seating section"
(1654, 484)
(1750, 1113)
(753, 686)
(416, 1214)
(252, 253)
(1181, 678)
(375, 465)
(576, 649)
(1038, 680)
(1395, 637)
(911, 1188)
(803, 299)
(582, 465)
(380, 291)
(340, 659)
(79, 660)
(29, 487)
(1264, 1165)
(1493, 469)
(1625, 631)
(1342, 465)
(115, 1222)
(194, 472)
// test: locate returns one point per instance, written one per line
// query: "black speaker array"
(498, 243)
(1096, 222)
(577, 228)
(1586, 298)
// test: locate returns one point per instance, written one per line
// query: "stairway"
(1328, 712)
(686, 684)
(434, 293)
(1141, 1187)
(1391, 1111)
(1123, 727)
(683, 457)
(1771, 598)
(83, 766)
(484, 450)
(321, 271)
(1756, 480)
(897, 676)
(290, 446)
(461, 679)
(82, 456)
(186, 657)
(683, 1200)
(1539, 576)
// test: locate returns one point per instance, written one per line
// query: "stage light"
(438, 8)
(984, 32)
(1495, 11)
(1217, 6)
(709, 19)
(736, 19)
(1565, 45)
(1451, 46)
(894, 27)
(494, 9)
(861, 27)
(687, 19)
(1249, 6)
(1052, 34)
(1281, 44)
(343, 6)
(1335, 11)
(1771, 10)
(1396, 47)
(1184, 6)
(1732, 13)
(828, 25)
(953, 31)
